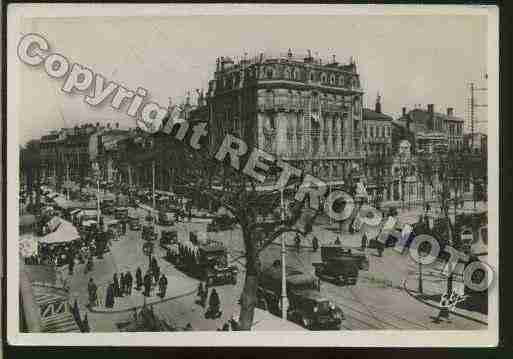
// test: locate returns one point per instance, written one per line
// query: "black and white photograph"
(181, 175)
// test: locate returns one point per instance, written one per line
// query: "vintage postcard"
(252, 175)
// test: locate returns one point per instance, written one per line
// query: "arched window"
(287, 73)
(312, 76)
(332, 79)
(323, 78)
(341, 81)
(269, 73)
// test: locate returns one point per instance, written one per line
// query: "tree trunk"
(249, 293)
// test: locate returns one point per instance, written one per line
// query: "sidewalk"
(430, 297)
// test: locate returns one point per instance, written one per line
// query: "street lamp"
(284, 299)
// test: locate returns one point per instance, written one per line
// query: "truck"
(307, 305)
(206, 260)
(166, 218)
(340, 264)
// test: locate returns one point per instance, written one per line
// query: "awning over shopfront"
(66, 232)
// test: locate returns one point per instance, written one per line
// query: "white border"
(391, 338)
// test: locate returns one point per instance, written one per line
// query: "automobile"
(168, 237)
(209, 263)
(221, 223)
(148, 233)
(134, 223)
(307, 306)
(166, 218)
(338, 263)
(121, 213)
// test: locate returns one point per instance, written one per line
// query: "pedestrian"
(89, 265)
(162, 286)
(364, 241)
(315, 244)
(200, 290)
(204, 296)
(156, 273)
(226, 327)
(298, 242)
(117, 292)
(213, 304)
(85, 325)
(150, 261)
(122, 284)
(92, 289)
(147, 284)
(109, 298)
(129, 282)
(138, 278)
(71, 264)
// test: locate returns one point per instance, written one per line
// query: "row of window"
(376, 131)
(297, 75)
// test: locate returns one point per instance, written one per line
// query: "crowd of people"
(123, 284)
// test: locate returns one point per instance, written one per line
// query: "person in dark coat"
(364, 241)
(154, 264)
(92, 289)
(162, 286)
(117, 291)
(138, 278)
(213, 303)
(156, 273)
(109, 298)
(71, 263)
(297, 240)
(129, 282)
(122, 284)
(147, 284)
(315, 244)
(89, 265)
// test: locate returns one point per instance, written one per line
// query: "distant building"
(377, 145)
(429, 131)
(298, 108)
(476, 143)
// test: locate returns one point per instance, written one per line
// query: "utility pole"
(153, 192)
(473, 106)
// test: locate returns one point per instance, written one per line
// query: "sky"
(409, 60)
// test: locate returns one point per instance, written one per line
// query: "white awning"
(66, 232)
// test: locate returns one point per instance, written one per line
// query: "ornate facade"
(296, 108)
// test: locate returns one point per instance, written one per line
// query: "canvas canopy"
(28, 246)
(66, 232)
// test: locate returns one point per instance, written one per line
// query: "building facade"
(294, 107)
(429, 131)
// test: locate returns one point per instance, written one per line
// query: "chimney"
(378, 104)
(450, 111)
(432, 125)
(404, 111)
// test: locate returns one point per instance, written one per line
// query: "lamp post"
(284, 299)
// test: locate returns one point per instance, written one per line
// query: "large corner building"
(299, 109)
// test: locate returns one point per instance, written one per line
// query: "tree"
(196, 172)
(30, 162)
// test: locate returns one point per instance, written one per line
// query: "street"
(379, 299)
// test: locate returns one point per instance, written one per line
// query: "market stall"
(56, 246)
